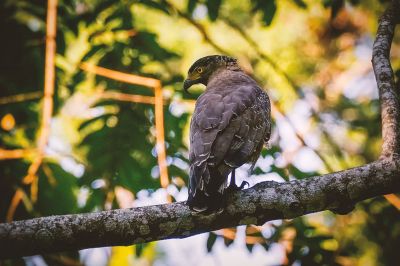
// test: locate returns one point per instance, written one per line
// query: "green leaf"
(211, 241)
(326, 3)
(213, 7)
(228, 241)
(354, 2)
(156, 5)
(191, 5)
(337, 5)
(88, 122)
(56, 191)
(258, 171)
(267, 7)
(95, 200)
(298, 174)
(300, 3)
(139, 249)
(250, 247)
(271, 151)
(147, 43)
(280, 171)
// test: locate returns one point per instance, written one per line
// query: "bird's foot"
(234, 187)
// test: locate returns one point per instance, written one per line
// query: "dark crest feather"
(207, 60)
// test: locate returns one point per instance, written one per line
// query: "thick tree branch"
(389, 96)
(264, 202)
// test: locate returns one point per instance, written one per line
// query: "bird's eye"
(199, 70)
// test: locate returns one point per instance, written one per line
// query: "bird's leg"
(232, 184)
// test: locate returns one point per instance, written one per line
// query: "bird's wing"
(204, 128)
(224, 128)
(243, 137)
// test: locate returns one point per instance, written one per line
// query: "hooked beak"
(188, 83)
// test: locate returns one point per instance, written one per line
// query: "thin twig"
(16, 199)
(126, 97)
(19, 196)
(160, 146)
(15, 154)
(120, 76)
(198, 26)
(260, 53)
(277, 112)
(394, 200)
(21, 97)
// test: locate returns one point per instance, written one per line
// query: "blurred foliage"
(312, 57)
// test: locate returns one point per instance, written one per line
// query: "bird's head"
(203, 68)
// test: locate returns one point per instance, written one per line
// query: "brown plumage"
(229, 127)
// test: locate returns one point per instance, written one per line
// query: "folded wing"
(228, 129)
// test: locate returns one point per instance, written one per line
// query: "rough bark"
(388, 93)
(264, 202)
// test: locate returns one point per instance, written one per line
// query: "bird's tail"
(201, 202)
(206, 192)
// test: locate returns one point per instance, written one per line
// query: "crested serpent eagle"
(230, 124)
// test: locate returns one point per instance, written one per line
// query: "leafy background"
(313, 59)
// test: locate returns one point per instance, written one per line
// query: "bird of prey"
(230, 124)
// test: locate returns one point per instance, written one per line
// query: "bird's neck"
(223, 73)
(233, 66)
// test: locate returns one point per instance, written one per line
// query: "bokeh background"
(109, 128)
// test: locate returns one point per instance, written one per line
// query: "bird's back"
(229, 126)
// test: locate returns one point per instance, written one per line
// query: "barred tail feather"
(201, 202)
(206, 189)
